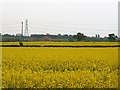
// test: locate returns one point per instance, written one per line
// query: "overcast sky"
(60, 16)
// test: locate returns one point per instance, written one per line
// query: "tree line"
(72, 38)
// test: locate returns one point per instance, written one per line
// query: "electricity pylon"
(26, 28)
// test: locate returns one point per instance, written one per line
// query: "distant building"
(43, 39)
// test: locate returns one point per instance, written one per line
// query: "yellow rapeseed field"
(42, 43)
(9, 43)
(48, 67)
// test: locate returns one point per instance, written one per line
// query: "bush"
(21, 44)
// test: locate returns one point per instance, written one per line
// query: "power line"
(54, 27)
(9, 24)
(51, 26)
(77, 24)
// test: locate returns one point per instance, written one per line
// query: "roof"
(44, 39)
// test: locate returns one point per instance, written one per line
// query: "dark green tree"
(112, 37)
(21, 44)
(79, 36)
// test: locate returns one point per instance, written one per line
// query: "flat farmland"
(44, 43)
(49, 67)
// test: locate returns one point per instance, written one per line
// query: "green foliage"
(112, 37)
(21, 44)
(61, 38)
(79, 37)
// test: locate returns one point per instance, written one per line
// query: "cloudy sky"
(60, 16)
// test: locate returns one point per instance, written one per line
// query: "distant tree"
(96, 36)
(47, 34)
(79, 36)
(112, 37)
(59, 34)
(20, 43)
(8, 35)
(66, 35)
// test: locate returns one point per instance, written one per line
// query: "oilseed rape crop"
(9, 43)
(43, 43)
(71, 43)
(49, 67)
